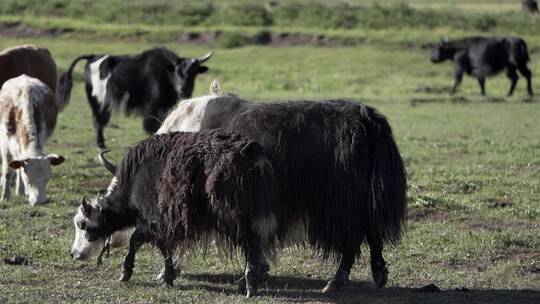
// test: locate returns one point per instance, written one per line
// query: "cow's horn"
(205, 57)
(106, 163)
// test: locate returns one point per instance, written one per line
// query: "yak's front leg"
(253, 254)
(341, 278)
(458, 77)
(138, 238)
(379, 271)
(177, 264)
(169, 273)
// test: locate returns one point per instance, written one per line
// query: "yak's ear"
(86, 207)
(55, 159)
(215, 88)
(17, 164)
(203, 69)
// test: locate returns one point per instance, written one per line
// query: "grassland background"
(473, 162)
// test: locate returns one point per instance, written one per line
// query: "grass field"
(473, 164)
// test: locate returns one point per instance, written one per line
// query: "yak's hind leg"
(101, 115)
(528, 75)
(138, 238)
(379, 271)
(341, 278)
(513, 76)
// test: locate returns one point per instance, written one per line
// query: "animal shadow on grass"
(303, 290)
(444, 98)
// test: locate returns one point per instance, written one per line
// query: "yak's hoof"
(380, 274)
(241, 285)
(168, 278)
(334, 285)
(169, 282)
(339, 281)
(251, 291)
(242, 289)
(126, 275)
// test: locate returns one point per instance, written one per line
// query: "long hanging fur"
(225, 187)
(338, 167)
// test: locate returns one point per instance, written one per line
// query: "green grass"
(473, 164)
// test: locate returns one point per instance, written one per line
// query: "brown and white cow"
(28, 111)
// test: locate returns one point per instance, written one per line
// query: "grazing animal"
(177, 188)
(30, 60)
(149, 83)
(28, 113)
(341, 176)
(481, 57)
(529, 7)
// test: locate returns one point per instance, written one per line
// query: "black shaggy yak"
(213, 183)
(222, 189)
(339, 170)
(482, 57)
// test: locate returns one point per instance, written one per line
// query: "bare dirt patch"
(427, 214)
(18, 29)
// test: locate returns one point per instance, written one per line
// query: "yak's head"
(90, 228)
(90, 224)
(443, 51)
(184, 71)
(36, 173)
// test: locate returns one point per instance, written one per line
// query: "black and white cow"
(341, 177)
(482, 57)
(149, 83)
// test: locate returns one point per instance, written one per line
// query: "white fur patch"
(187, 116)
(99, 86)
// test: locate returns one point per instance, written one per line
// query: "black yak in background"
(481, 57)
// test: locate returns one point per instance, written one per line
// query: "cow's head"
(443, 51)
(35, 173)
(185, 70)
(90, 233)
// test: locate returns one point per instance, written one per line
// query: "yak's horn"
(106, 163)
(205, 57)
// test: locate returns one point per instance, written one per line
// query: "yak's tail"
(65, 83)
(388, 184)
(517, 51)
(522, 52)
